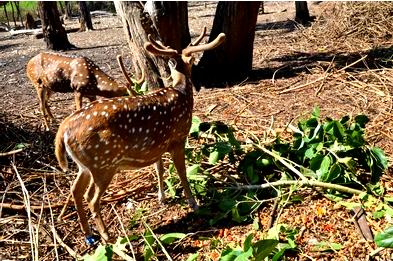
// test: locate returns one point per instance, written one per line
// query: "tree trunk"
(171, 20)
(85, 17)
(55, 35)
(18, 13)
(61, 8)
(302, 13)
(68, 9)
(6, 14)
(137, 25)
(13, 13)
(232, 60)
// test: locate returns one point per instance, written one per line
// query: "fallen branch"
(12, 152)
(301, 183)
(32, 207)
(282, 161)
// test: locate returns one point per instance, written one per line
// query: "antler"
(157, 48)
(213, 44)
(123, 69)
(199, 39)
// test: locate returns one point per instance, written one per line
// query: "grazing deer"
(52, 72)
(130, 132)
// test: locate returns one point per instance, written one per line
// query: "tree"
(302, 14)
(18, 13)
(55, 35)
(85, 17)
(168, 21)
(171, 20)
(138, 25)
(4, 4)
(68, 9)
(232, 60)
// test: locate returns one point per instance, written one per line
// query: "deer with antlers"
(130, 132)
(53, 72)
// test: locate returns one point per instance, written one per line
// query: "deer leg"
(178, 157)
(78, 100)
(46, 102)
(94, 194)
(41, 91)
(77, 191)
(159, 166)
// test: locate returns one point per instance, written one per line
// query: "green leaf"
(324, 168)
(102, 253)
(385, 238)
(245, 256)
(170, 237)
(327, 246)
(334, 172)
(362, 120)
(193, 257)
(195, 125)
(338, 130)
(248, 242)
(230, 254)
(193, 170)
(380, 157)
(214, 157)
(316, 112)
(264, 248)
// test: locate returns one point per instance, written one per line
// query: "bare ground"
(292, 74)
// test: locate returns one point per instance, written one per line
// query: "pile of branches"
(365, 22)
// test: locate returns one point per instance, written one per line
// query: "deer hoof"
(92, 240)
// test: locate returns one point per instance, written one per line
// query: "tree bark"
(232, 61)
(137, 25)
(302, 14)
(13, 13)
(55, 35)
(171, 20)
(68, 10)
(6, 14)
(18, 13)
(85, 17)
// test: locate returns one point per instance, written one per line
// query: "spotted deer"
(53, 72)
(130, 132)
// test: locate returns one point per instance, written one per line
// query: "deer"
(132, 132)
(53, 72)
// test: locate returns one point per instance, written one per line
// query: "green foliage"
(102, 253)
(333, 151)
(250, 251)
(385, 238)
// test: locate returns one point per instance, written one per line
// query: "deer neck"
(108, 85)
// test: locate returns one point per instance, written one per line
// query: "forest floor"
(294, 70)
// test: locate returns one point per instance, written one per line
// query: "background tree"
(67, 9)
(13, 13)
(4, 4)
(137, 25)
(85, 17)
(168, 21)
(55, 35)
(302, 14)
(171, 20)
(233, 59)
(18, 12)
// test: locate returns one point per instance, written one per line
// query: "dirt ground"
(288, 80)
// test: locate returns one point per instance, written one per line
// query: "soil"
(263, 105)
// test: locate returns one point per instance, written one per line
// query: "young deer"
(130, 132)
(52, 72)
